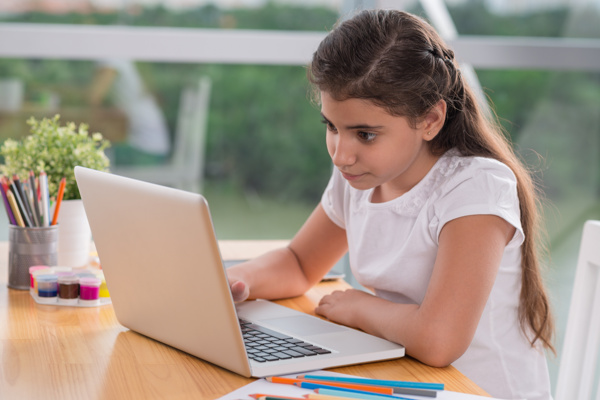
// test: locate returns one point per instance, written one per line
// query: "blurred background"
(223, 105)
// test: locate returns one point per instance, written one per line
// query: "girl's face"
(373, 149)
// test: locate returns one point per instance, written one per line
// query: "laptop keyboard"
(263, 344)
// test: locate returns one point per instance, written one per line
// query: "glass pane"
(548, 18)
(266, 163)
(173, 13)
(554, 122)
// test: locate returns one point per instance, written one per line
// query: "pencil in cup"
(19, 202)
(22, 200)
(8, 207)
(35, 203)
(15, 210)
(29, 246)
(44, 199)
(59, 197)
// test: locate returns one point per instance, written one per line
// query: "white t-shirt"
(393, 246)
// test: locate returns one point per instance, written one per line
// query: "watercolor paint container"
(60, 271)
(47, 288)
(89, 290)
(35, 274)
(84, 273)
(68, 289)
(69, 293)
(103, 288)
(32, 269)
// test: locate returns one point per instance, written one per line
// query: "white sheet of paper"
(265, 387)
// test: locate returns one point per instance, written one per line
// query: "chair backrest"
(579, 359)
(190, 135)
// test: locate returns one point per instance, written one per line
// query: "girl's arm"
(438, 331)
(292, 270)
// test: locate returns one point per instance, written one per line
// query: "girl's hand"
(343, 306)
(239, 290)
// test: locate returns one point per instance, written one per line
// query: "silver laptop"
(167, 281)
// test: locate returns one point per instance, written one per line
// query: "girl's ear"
(433, 121)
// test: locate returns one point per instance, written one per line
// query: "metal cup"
(28, 247)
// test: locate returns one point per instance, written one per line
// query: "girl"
(436, 212)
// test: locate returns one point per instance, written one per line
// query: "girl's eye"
(366, 136)
(330, 126)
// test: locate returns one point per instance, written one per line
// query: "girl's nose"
(342, 151)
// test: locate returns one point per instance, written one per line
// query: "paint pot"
(35, 274)
(32, 269)
(68, 290)
(47, 285)
(103, 288)
(60, 271)
(89, 291)
(84, 273)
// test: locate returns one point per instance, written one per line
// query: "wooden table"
(53, 352)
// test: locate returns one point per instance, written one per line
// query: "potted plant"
(56, 150)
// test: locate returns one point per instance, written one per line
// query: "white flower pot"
(74, 234)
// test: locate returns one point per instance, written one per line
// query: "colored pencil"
(28, 196)
(44, 199)
(377, 382)
(26, 212)
(348, 392)
(333, 385)
(357, 394)
(61, 192)
(35, 203)
(283, 379)
(7, 206)
(20, 205)
(15, 209)
(365, 387)
(274, 397)
(355, 386)
(317, 396)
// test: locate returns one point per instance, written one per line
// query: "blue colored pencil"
(377, 382)
(322, 386)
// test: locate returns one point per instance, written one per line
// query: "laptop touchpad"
(303, 325)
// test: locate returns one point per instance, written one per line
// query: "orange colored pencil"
(61, 193)
(281, 379)
(346, 385)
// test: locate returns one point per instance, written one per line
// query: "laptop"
(167, 281)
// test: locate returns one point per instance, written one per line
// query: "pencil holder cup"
(28, 247)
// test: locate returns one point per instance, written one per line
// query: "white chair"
(579, 358)
(185, 168)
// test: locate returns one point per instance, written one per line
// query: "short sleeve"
(483, 187)
(332, 200)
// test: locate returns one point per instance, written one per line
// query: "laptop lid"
(167, 281)
(163, 266)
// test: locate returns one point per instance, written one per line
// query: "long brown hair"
(397, 61)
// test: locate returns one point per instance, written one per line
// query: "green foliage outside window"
(264, 134)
